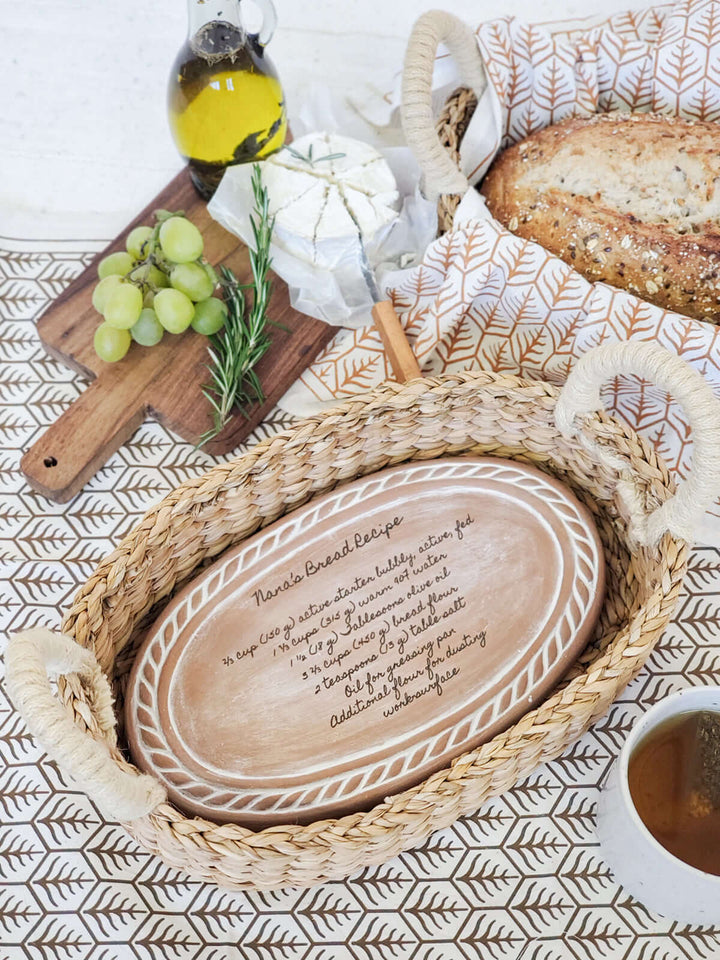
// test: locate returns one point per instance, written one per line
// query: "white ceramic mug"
(655, 877)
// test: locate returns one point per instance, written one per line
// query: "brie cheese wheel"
(325, 191)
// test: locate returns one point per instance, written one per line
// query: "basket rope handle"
(581, 396)
(439, 173)
(32, 658)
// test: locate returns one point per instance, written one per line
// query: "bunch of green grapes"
(161, 283)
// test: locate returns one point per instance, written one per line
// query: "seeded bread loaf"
(632, 199)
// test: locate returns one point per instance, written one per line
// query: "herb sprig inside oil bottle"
(225, 102)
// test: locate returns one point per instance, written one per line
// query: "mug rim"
(641, 727)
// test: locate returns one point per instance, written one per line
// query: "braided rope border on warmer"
(474, 413)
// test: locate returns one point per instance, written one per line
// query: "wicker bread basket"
(451, 126)
(644, 525)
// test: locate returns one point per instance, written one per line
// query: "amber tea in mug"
(674, 781)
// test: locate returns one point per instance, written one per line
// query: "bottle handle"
(269, 21)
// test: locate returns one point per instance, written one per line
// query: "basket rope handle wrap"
(439, 173)
(32, 658)
(581, 396)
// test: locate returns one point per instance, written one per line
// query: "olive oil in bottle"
(225, 102)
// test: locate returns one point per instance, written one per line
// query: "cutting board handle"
(80, 441)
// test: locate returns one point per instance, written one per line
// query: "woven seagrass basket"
(451, 126)
(642, 520)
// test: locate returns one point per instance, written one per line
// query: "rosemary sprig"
(237, 348)
(309, 159)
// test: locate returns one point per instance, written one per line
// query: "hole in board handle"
(50, 462)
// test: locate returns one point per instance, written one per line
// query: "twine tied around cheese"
(33, 658)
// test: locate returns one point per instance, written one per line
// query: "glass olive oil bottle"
(225, 102)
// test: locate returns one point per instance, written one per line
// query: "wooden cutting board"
(162, 382)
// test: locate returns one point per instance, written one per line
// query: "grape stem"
(152, 255)
(237, 348)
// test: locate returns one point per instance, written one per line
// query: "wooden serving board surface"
(162, 382)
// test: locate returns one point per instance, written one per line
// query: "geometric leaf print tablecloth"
(522, 878)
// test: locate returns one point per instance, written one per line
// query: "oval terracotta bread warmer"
(358, 645)
(643, 524)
